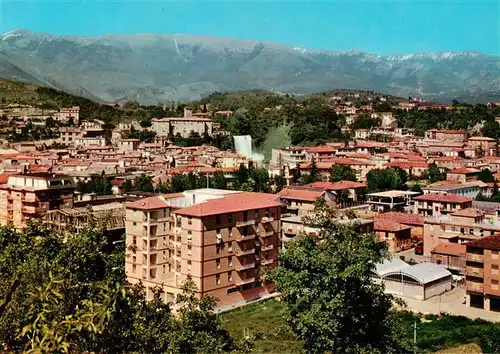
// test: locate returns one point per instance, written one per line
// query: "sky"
(380, 27)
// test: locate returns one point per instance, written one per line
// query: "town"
(192, 201)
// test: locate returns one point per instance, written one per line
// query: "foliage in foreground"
(330, 301)
(69, 295)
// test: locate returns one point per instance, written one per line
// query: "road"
(452, 302)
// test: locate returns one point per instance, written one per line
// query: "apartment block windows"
(256, 214)
(229, 276)
(217, 279)
(217, 249)
(190, 220)
(230, 232)
(230, 261)
(230, 218)
(217, 263)
(245, 215)
(217, 219)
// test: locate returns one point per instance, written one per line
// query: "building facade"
(482, 273)
(222, 242)
(31, 196)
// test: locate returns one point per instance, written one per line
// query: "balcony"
(266, 247)
(218, 239)
(245, 238)
(474, 272)
(267, 233)
(241, 253)
(33, 210)
(266, 219)
(245, 281)
(245, 223)
(289, 231)
(244, 266)
(472, 286)
(475, 257)
(267, 261)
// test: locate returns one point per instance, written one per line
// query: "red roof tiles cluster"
(402, 218)
(305, 195)
(231, 203)
(150, 203)
(488, 242)
(389, 226)
(444, 198)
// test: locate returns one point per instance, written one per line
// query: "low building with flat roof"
(420, 281)
(390, 200)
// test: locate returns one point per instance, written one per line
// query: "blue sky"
(381, 27)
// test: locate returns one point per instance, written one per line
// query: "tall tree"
(218, 181)
(330, 300)
(434, 174)
(342, 172)
(486, 176)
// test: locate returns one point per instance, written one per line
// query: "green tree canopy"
(387, 179)
(342, 173)
(331, 302)
(486, 176)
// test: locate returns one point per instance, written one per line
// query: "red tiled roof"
(407, 164)
(391, 226)
(117, 182)
(322, 148)
(149, 203)
(464, 171)
(4, 177)
(300, 194)
(340, 185)
(231, 203)
(450, 249)
(402, 218)
(440, 197)
(469, 212)
(488, 242)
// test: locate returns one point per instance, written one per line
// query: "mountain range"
(154, 68)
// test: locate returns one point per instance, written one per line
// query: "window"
(267, 212)
(229, 276)
(217, 231)
(245, 216)
(134, 223)
(230, 261)
(190, 220)
(217, 219)
(462, 230)
(471, 231)
(134, 259)
(134, 268)
(494, 281)
(217, 263)
(230, 218)
(494, 266)
(230, 246)
(163, 269)
(245, 231)
(217, 249)
(233, 290)
(230, 232)
(134, 241)
(256, 214)
(217, 279)
(188, 265)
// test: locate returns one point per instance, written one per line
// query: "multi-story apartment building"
(482, 273)
(183, 126)
(459, 227)
(67, 113)
(483, 146)
(223, 240)
(458, 136)
(435, 204)
(27, 196)
(289, 156)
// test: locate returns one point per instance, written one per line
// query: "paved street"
(452, 302)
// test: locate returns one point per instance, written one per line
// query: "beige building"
(458, 227)
(482, 146)
(129, 144)
(435, 204)
(222, 239)
(482, 272)
(31, 196)
(65, 114)
(458, 136)
(182, 126)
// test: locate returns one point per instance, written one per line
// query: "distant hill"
(155, 68)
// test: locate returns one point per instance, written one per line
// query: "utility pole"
(415, 336)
